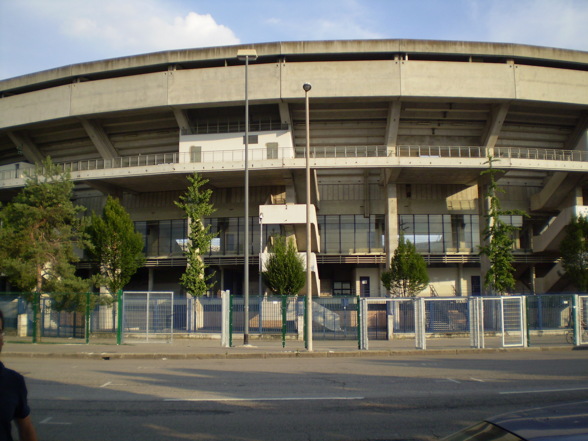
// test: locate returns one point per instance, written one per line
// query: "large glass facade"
(163, 238)
(339, 234)
(351, 234)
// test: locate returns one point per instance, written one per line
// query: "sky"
(37, 35)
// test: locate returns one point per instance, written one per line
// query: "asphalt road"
(396, 398)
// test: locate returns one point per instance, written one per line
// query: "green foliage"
(39, 229)
(196, 205)
(498, 238)
(407, 275)
(574, 252)
(285, 273)
(115, 245)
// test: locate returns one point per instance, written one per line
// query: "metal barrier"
(148, 315)
(435, 322)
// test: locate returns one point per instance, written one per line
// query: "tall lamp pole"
(246, 55)
(307, 88)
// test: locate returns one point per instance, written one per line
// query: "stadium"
(400, 132)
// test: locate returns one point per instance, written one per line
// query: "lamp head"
(246, 54)
(306, 87)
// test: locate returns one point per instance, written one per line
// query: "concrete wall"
(283, 81)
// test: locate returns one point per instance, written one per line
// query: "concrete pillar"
(391, 221)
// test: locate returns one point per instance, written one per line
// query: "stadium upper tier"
(400, 105)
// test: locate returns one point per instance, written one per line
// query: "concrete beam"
(555, 190)
(183, 121)
(574, 141)
(393, 123)
(99, 139)
(494, 126)
(25, 146)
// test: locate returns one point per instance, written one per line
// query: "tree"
(407, 275)
(115, 245)
(498, 239)
(196, 205)
(574, 253)
(285, 273)
(39, 229)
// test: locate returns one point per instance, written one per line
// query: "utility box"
(22, 325)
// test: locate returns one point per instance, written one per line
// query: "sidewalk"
(200, 348)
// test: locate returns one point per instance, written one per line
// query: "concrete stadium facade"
(400, 131)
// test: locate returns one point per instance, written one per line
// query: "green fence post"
(36, 300)
(87, 318)
(119, 318)
(284, 318)
(306, 322)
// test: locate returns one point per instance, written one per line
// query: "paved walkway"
(194, 348)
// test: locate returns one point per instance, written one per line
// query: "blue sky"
(43, 34)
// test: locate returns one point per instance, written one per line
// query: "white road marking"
(108, 383)
(539, 391)
(454, 381)
(477, 379)
(265, 399)
(48, 421)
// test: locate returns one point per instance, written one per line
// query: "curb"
(286, 354)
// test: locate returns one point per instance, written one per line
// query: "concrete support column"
(391, 221)
(459, 280)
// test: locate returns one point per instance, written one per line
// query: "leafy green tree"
(196, 205)
(407, 275)
(115, 245)
(498, 239)
(39, 230)
(285, 273)
(574, 253)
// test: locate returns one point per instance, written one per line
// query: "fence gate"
(513, 321)
(148, 316)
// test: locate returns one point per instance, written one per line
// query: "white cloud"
(128, 27)
(143, 26)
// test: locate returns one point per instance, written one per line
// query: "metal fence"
(433, 322)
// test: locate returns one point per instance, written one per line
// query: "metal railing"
(262, 154)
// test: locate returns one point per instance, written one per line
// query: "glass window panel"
(406, 226)
(421, 233)
(332, 234)
(141, 227)
(377, 233)
(436, 233)
(347, 234)
(362, 234)
(164, 238)
(179, 236)
(153, 238)
(475, 233)
(448, 235)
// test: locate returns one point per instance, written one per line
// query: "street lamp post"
(307, 88)
(246, 55)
